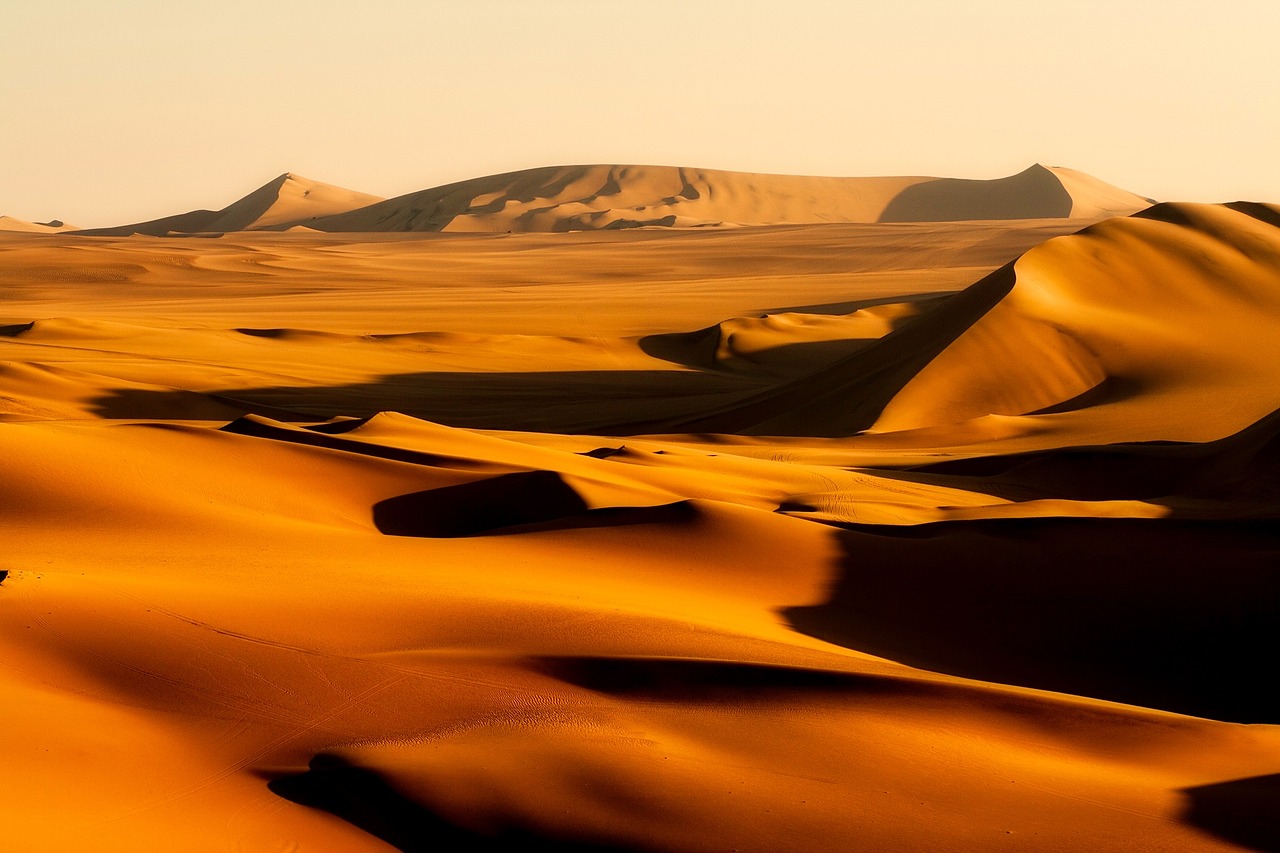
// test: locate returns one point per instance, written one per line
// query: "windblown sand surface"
(880, 537)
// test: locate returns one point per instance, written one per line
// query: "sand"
(876, 536)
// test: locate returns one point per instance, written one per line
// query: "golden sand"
(949, 535)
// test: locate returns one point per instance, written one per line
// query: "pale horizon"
(141, 109)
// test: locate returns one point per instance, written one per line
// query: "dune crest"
(289, 199)
(9, 223)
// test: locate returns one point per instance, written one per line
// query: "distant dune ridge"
(8, 223)
(285, 201)
(588, 198)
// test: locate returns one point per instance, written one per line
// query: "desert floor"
(874, 537)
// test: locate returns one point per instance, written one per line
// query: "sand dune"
(833, 537)
(1117, 326)
(290, 199)
(603, 197)
(8, 223)
(573, 198)
(1086, 338)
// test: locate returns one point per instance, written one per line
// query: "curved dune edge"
(894, 565)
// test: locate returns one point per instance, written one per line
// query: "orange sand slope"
(588, 198)
(914, 536)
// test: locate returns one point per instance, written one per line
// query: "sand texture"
(956, 532)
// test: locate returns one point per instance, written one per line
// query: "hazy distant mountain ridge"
(574, 198)
(604, 197)
(9, 223)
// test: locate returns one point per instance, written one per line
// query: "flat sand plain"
(829, 537)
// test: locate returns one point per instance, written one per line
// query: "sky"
(114, 112)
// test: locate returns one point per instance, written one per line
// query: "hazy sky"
(131, 109)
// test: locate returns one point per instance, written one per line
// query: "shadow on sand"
(561, 401)
(1035, 193)
(521, 502)
(366, 800)
(1242, 467)
(1175, 615)
(1242, 811)
(469, 509)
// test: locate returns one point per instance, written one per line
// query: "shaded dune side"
(1032, 194)
(470, 508)
(582, 401)
(1242, 811)
(1145, 612)
(519, 502)
(365, 798)
(1244, 467)
(191, 222)
(572, 198)
(36, 391)
(848, 394)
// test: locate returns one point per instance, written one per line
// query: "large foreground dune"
(923, 535)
